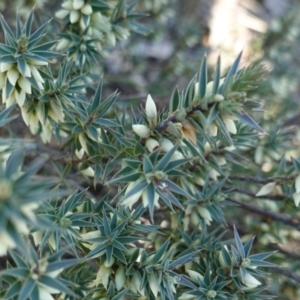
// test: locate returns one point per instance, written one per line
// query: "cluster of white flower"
(14, 85)
(228, 119)
(100, 26)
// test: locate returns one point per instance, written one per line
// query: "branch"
(263, 180)
(287, 273)
(285, 219)
(248, 193)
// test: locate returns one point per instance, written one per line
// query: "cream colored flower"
(120, 278)
(251, 282)
(266, 189)
(130, 201)
(205, 214)
(296, 198)
(152, 144)
(75, 9)
(150, 109)
(7, 243)
(142, 131)
(146, 200)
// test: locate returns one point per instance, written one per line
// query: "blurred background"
(180, 33)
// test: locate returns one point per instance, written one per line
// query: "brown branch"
(263, 180)
(285, 219)
(287, 273)
(248, 193)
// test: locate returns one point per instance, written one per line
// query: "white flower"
(6, 243)
(251, 282)
(79, 153)
(88, 172)
(166, 145)
(296, 197)
(205, 214)
(83, 142)
(103, 276)
(150, 109)
(46, 291)
(266, 189)
(120, 278)
(228, 120)
(141, 130)
(63, 44)
(195, 275)
(152, 144)
(146, 200)
(297, 184)
(133, 198)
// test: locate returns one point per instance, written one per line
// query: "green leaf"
(56, 284)
(230, 75)
(14, 162)
(13, 290)
(166, 158)
(217, 76)
(239, 243)
(245, 118)
(95, 103)
(182, 260)
(27, 288)
(28, 23)
(174, 101)
(54, 266)
(160, 253)
(150, 194)
(248, 247)
(202, 78)
(4, 119)
(16, 272)
(126, 178)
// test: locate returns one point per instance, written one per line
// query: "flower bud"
(88, 172)
(228, 120)
(152, 144)
(74, 16)
(151, 111)
(109, 263)
(141, 130)
(120, 278)
(166, 145)
(13, 75)
(205, 214)
(87, 10)
(296, 198)
(6, 189)
(78, 4)
(251, 282)
(297, 184)
(67, 5)
(218, 98)
(266, 189)
(103, 275)
(194, 275)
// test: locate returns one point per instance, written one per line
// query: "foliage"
(102, 201)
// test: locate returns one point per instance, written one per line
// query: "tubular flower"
(16, 85)
(151, 110)
(76, 10)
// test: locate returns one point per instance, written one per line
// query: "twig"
(248, 193)
(289, 254)
(263, 180)
(287, 273)
(294, 222)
